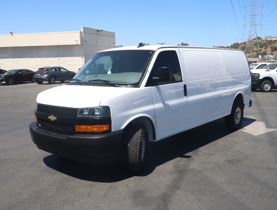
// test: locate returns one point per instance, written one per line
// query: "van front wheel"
(234, 120)
(136, 148)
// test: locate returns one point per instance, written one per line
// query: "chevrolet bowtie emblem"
(52, 117)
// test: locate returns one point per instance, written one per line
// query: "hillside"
(267, 46)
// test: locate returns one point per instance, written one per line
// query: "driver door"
(169, 99)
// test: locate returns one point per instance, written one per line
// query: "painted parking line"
(255, 128)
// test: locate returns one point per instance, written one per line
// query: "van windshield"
(114, 68)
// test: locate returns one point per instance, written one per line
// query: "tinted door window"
(169, 60)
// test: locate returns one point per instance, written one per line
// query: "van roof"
(156, 47)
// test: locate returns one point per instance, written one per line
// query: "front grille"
(64, 119)
(67, 129)
(62, 113)
(70, 112)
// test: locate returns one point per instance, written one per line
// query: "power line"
(272, 11)
(235, 15)
(240, 8)
(271, 28)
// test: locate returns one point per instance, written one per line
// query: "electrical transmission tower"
(252, 29)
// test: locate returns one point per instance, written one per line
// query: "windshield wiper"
(102, 81)
(77, 80)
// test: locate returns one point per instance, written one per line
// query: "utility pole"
(252, 29)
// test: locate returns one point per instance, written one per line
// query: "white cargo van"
(124, 98)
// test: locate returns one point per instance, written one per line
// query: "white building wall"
(69, 57)
(40, 39)
(96, 40)
(70, 63)
(67, 49)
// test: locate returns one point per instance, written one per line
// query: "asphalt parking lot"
(205, 168)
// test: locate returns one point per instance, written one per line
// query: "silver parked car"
(53, 74)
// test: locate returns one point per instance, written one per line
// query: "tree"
(235, 45)
(183, 44)
(258, 38)
(273, 48)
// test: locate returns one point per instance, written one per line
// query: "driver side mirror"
(164, 75)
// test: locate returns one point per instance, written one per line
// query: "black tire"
(10, 81)
(234, 120)
(136, 148)
(62, 81)
(266, 86)
(52, 80)
(39, 82)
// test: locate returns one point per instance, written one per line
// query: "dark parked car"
(2, 71)
(16, 76)
(53, 74)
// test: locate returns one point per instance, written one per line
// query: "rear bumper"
(39, 78)
(90, 148)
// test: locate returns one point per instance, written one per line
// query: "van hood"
(79, 96)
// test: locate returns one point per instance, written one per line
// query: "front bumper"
(88, 148)
(255, 83)
(3, 81)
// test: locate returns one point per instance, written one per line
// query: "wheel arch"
(239, 97)
(146, 122)
(11, 77)
(268, 78)
(52, 76)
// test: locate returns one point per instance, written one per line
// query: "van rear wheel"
(234, 120)
(136, 148)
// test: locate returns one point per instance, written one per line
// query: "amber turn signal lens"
(91, 128)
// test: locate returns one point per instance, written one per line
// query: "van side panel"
(203, 64)
(205, 70)
(235, 63)
(215, 77)
(237, 71)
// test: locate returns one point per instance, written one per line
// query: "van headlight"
(255, 75)
(101, 111)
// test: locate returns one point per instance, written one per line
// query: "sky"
(205, 23)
